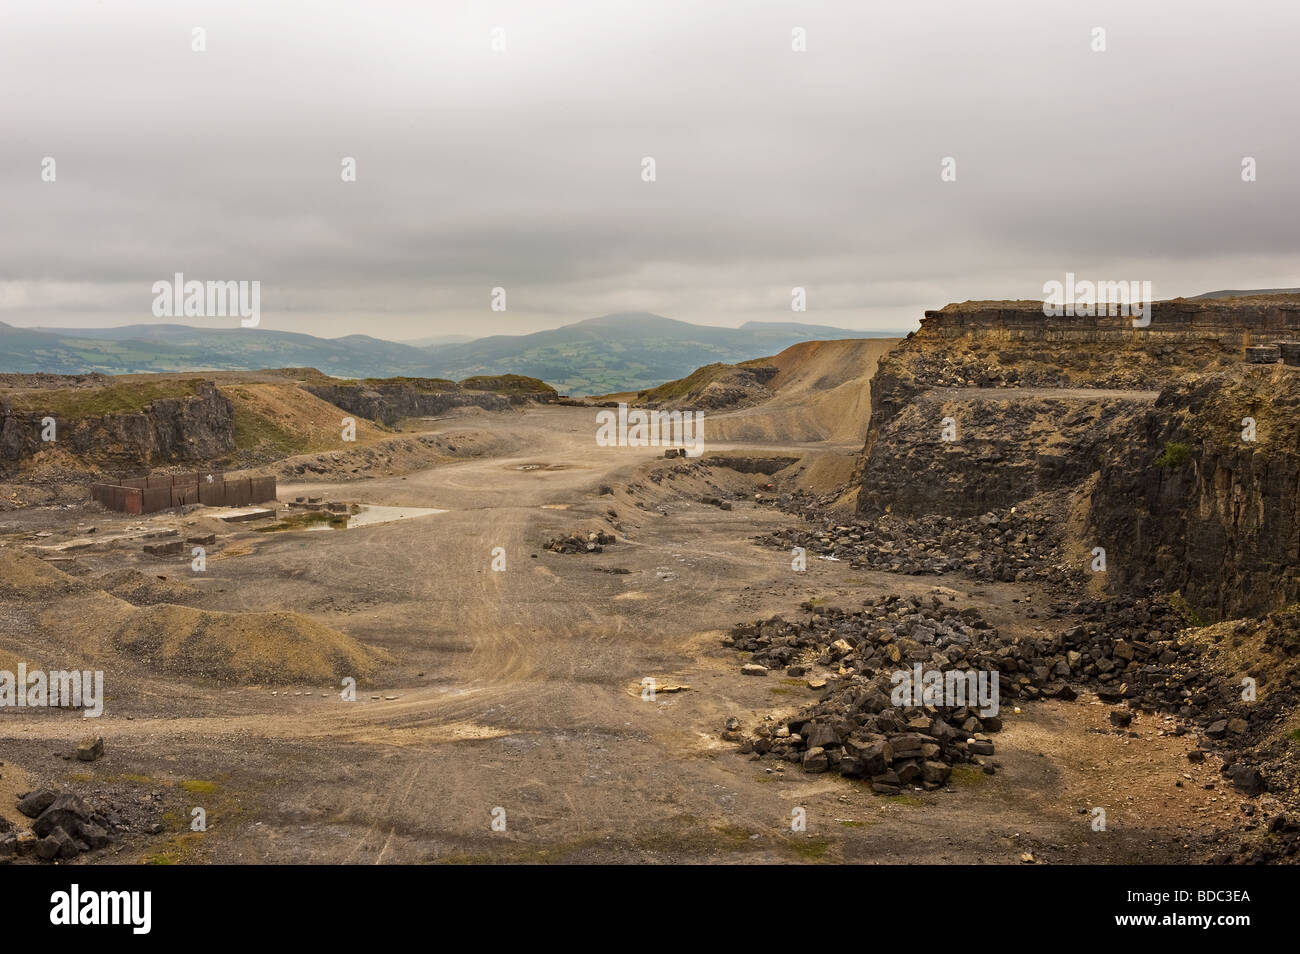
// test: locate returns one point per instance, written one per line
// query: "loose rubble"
(593, 542)
(1128, 651)
(63, 826)
(1007, 546)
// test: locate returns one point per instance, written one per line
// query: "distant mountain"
(1247, 294)
(621, 352)
(152, 348)
(433, 341)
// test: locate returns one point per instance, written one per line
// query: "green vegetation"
(1175, 455)
(910, 800)
(507, 384)
(431, 385)
(967, 776)
(1185, 610)
(118, 397)
(810, 849)
(694, 381)
(257, 432)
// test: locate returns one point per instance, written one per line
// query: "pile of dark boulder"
(1128, 651)
(1003, 546)
(855, 728)
(63, 826)
(593, 542)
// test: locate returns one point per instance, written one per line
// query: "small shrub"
(1175, 455)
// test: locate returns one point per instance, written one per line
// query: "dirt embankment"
(811, 391)
(69, 618)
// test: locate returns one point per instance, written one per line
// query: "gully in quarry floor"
(515, 695)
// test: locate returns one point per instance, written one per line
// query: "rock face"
(964, 354)
(1182, 498)
(1182, 501)
(1229, 323)
(1002, 448)
(392, 399)
(197, 427)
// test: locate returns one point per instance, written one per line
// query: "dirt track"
(521, 690)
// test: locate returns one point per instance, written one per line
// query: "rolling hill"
(618, 352)
(132, 349)
(623, 352)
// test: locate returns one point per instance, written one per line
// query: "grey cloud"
(522, 168)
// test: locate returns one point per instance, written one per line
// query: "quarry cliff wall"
(1147, 423)
(1184, 501)
(189, 429)
(389, 401)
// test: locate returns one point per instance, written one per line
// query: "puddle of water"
(370, 514)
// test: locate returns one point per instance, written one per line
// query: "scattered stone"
(593, 542)
(163, 549)
(1249, 780)
(35, 802)
(91, 749)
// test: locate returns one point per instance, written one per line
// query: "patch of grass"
(902, 799)
(177, 851)
(199, 786)
(967, 776)
(123, 397)
(688, 837)
(698, 378)
(730, 832)
(507, 384)
(810, 849)
(781, 691)
(429, 385)
(1175, 455)
(257, 432)
(1293, 735)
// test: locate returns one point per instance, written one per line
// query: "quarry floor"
(521, 690)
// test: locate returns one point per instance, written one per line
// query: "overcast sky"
(522, 168)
